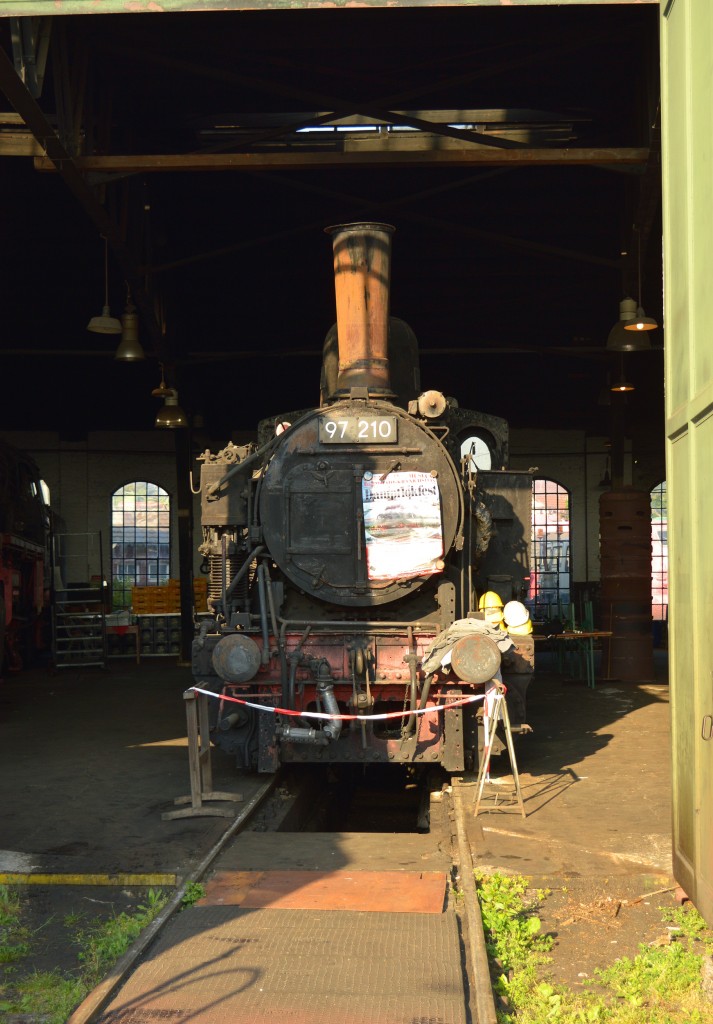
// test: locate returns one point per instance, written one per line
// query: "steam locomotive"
(347, 542)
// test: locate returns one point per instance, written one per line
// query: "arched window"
(659, 552)
(140, 539)
(550, 561)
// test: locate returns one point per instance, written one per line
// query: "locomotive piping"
(263, 613)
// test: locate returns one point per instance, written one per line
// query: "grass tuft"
(661, 985)
(51, 995)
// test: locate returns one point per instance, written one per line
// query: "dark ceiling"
(510, 273)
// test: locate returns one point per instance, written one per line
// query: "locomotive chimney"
(362, 267)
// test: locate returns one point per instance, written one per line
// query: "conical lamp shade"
(130, 349)
(641, 322)
(171, 415)
(105, 324)
(621, 338)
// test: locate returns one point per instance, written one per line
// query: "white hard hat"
(515, 613)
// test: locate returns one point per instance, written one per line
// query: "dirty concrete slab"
(595, 778)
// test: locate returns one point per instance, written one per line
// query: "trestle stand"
(199, 766)
(499, 713)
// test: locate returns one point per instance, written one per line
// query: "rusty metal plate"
(393, 892)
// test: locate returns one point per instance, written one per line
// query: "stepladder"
(202, 796)
(496, 711)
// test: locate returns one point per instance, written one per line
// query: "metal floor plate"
(231, 965)
(393, 892)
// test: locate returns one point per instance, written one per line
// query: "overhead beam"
(291, 161)
(21, 8)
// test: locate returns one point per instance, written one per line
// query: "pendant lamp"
(130, 349)
(640, 322)
(171, 415)
(620, 337)
(106, 323)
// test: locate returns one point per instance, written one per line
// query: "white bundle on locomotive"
(348, 550)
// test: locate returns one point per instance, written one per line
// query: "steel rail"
(477, 966)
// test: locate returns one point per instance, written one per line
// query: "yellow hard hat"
(490, 600)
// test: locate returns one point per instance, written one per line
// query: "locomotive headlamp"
(432, 404)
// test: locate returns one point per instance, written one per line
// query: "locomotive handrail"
(243, 570)
(240, 466)
(359, 627)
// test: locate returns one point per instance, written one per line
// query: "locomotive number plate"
(357, 430)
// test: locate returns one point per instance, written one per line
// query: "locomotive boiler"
(347, 550)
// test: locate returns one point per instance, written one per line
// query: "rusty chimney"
(362, 268)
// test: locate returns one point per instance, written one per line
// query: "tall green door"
(687, 107)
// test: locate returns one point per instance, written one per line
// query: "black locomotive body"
(346, 542)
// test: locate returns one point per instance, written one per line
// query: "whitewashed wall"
(82, 476)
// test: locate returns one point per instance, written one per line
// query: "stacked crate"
(166, 600)
(160, 634)
(157, 610)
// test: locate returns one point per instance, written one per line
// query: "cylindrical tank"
(625, 595)
(362, 275)
(404, 369)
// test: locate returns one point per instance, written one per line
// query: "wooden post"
(199, 765)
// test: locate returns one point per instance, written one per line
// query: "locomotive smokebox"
(362, 269)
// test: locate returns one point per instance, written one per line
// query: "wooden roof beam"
(613, 157)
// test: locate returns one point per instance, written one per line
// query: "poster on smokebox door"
(402, 523)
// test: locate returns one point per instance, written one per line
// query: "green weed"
(102, 946)
(194, 892)
(661, 985)
(13, 936)
(52, 995)
(49, 995)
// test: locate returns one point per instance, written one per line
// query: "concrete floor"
(596, 781)
(90, 759)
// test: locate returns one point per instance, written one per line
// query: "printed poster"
(402, 523)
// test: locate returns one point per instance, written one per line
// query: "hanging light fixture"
(162, 390)
(621, 385)
(106, 323)
(620, 337)
(640, 322)
(605, 481)
(130, 349)
(171, 415)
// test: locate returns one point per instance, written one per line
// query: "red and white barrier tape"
(343, 718)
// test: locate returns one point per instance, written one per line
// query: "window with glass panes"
(140, 539)
(659, 552)
(549, 596)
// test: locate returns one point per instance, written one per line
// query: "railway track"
(325, 834)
